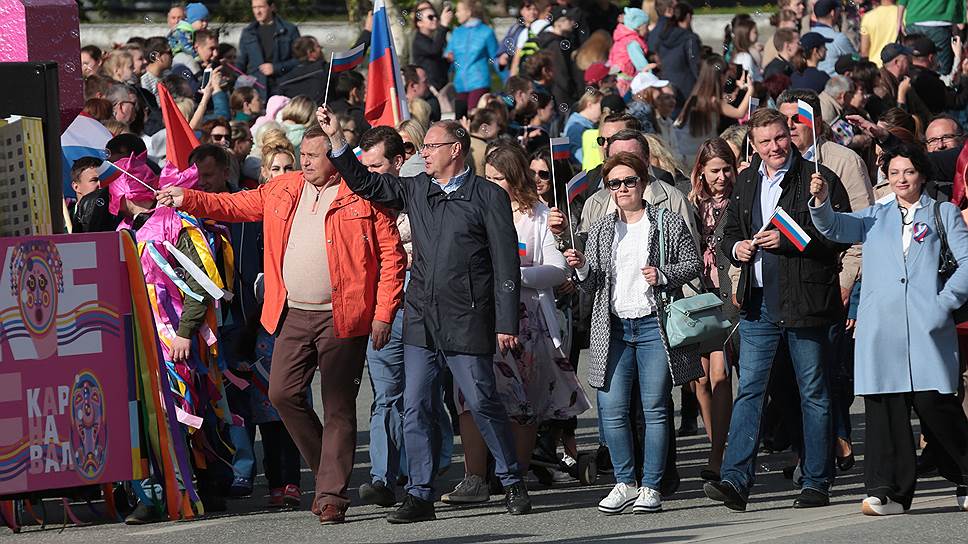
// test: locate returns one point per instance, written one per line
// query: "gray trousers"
(474, 375)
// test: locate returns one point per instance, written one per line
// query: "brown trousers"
(306, 341)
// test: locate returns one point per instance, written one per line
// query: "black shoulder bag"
(947, 264)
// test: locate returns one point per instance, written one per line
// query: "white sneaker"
(872, 506)
(649, 501)
(961, 495)
(621, 497)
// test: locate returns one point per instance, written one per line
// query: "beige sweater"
(305, 265)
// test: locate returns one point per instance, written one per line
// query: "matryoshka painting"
(36, 280)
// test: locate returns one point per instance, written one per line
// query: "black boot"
(377, 493)
(516, 499)
(413, 510)
(143, 514)
(725, 493)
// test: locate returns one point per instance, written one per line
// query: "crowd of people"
(811, 182)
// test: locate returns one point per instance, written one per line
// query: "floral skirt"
(536, 382)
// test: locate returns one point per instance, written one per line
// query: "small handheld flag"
(386, 97)
(560, 149)
(342, 61)
(86, 137)
(358, 151)
(789, 228)
(577, 185)
(805, 117)
(522, 249)
(804, 113)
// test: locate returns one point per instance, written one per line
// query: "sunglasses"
(409, 148)
(218, 137)
(629, 182)
(602, 140)
(542, 174)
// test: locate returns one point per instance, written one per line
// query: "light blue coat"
(905, 338)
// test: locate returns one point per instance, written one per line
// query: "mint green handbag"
(698, 319)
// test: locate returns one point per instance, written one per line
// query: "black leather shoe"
(811, 498)
(603, 460)
(377, 493)
(413, 510)
(725, 493)
(516, 499)
(688, 427)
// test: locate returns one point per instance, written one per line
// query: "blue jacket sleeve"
(637, 55)
(955, 291)
(854, 303)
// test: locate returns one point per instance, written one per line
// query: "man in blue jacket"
(265, 47)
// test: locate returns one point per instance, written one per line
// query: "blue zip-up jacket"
(473, 45)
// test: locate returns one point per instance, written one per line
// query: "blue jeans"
(635, 349)
(387, 378)
(810, 348)
(474, 375)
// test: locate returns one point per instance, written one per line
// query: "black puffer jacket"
(678, 49)
(465, 275)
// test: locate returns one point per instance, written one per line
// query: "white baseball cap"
(645, 80)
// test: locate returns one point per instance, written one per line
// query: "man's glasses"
(434, 147)
(941, 139)
(629, 182)
(541, 174)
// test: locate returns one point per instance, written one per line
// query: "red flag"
(958, 192)
(181, 137)
(386, 102)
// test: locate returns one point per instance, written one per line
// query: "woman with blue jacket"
(472, 49)
(909, 359)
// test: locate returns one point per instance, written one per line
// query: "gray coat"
(683, 266)
(906, 339)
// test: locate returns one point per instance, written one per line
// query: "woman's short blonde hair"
(660, 154)
(414, 130)
(300, 110)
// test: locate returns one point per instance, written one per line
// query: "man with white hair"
(835, 96)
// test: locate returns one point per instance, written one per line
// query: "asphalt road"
(562, 514)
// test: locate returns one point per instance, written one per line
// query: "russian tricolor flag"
(560, 149)
(804, 113)
(522, 249)
(386, 103)
(347, 60)
(793, 231)
(577, 185)
(86, 137)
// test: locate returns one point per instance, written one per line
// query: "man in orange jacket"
(334, 268)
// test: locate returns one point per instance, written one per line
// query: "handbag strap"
(662, 252)
(939, 226)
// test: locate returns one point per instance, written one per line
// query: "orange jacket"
(366, 258)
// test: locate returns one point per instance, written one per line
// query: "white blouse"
(632, 296)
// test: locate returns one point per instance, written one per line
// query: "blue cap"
(196, 12)
(813, 40)
(635, 17)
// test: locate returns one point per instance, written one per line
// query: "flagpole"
(329, 77)
(554, 183)
(132, 176)
(571, 228)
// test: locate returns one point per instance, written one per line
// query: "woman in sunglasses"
(427, 50)
(623, 272)
(541, 172)
(536, 382)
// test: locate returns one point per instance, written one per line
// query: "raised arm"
(502, 242)
(383, 189)
(848, 228)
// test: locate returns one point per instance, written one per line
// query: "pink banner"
(68, 414)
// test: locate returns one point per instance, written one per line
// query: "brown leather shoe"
(332, 514)
(314, 508)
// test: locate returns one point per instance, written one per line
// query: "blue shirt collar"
(455, 182)
(809, 153)
(779, 174)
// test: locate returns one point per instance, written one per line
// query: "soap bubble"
(565, 45)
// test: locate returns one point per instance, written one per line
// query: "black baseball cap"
(846, 63)
(892, 50)
(813, 40)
